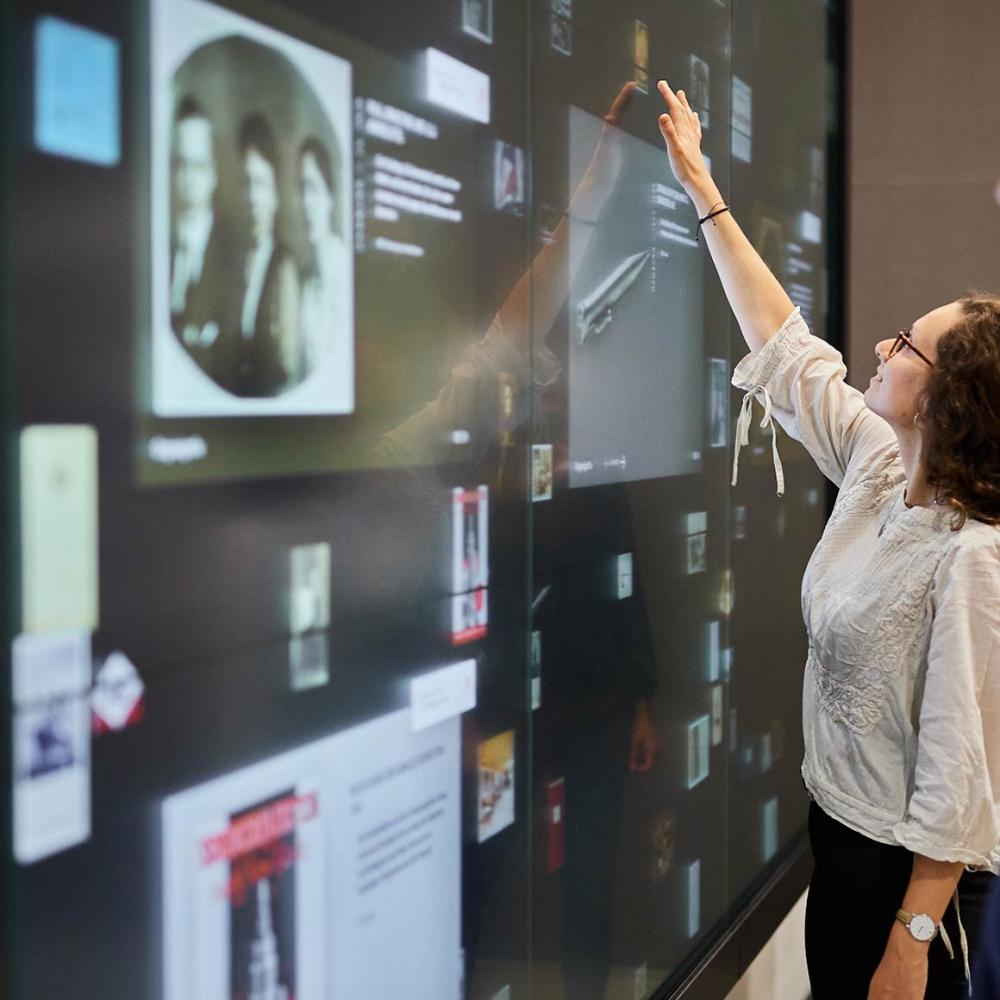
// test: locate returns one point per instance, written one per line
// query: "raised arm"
(795, 376)
(755, 295)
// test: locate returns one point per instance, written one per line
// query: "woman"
(322, 318)
(254, 357)
(901, 702)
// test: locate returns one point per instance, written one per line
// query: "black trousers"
(857, 886)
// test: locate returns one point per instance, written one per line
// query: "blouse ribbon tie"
(743, 433)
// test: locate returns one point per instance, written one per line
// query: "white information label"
(442, 694)
(457, 87)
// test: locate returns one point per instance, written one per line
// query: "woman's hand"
(902, 973)
(605, 164)
(681, 131)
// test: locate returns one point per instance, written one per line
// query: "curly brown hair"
(961, 413)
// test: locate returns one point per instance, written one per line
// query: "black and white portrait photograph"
(477, 19)
(252, 259)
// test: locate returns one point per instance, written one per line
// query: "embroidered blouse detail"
(901, 700)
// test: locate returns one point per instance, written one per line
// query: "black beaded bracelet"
(711, 215)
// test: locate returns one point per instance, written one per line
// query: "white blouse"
(901, 702)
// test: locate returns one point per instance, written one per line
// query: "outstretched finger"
(620, 103)
(673, 103)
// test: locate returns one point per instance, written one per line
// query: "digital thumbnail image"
(262, 910)
(47, 737)
(742, 115)
(693, 878)
(698, 734)
(536, 670)
(282, 878)
(252, 260)
(624, 576)
(309, 660)
(726, 594)
(309, 600)
(508, 178)
(717, 715)
(718, 402)
(117, 699)
(561, 29)
(469, 616)
(470, 569)
(641, 56)
(245, 888)
(698, 94)
(51, 743)
(477, 19)
(496, 785)
(541, 472)
(555, 815)
(695, 542)
(663, 843)
(712, 651)
(309, 616)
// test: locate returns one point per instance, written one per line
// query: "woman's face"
(317, 200)
(261, 189)
(895, 388)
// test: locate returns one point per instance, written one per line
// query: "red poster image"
(470, 568)
(262, 844)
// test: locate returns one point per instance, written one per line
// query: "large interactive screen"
(381, 620)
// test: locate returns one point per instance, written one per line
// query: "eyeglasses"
(903, 339)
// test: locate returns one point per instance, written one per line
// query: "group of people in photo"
(254, 318)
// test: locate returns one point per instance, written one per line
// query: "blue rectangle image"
(77, 94)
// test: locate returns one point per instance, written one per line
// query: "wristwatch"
(920, 925)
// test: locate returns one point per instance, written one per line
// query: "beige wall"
(779, 971)
(923, 155)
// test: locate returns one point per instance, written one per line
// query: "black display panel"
(380, 619)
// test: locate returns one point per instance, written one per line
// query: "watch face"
(922, 927)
